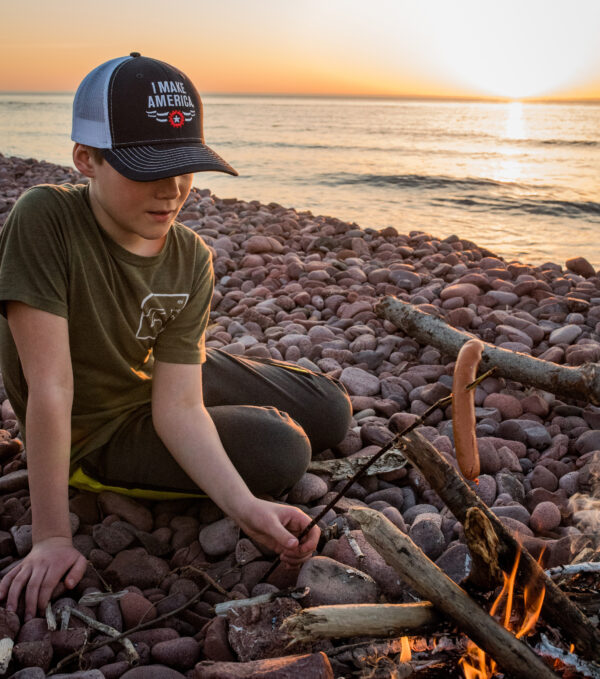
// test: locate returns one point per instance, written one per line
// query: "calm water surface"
(520, 179)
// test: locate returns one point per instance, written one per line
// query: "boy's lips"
(160, 215)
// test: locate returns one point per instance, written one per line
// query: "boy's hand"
(276, 526)
(39, 573)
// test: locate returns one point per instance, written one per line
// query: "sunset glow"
(465, 48)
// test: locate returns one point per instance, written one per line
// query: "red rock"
(545, 517)
(153, 636)
(136, 609)
(114, 670)
(509, 406)
(246, 551)
(112, 539)
(136, 567)
(313, 666)
(109, 612)
(33, 653)
(216, 644)
(372, 563)
(331, 582)
(310, 487)
(68, 640)
(220, 537)
(543, 478)
(152, 672)
(9, 624)
(127, 509)
(181, 654)
(581, 266)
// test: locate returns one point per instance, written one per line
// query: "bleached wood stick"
(400, 552)
(132, 654)
(358, 620)
(6, 649)
(573, 569)
(557, 608)
(581, 383)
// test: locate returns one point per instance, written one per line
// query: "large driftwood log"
(459, 498)
(358, 620)
(400, 552)
(582, 383)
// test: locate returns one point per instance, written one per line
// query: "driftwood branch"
(132, 655)
(582, 383)
(557, 609)
(483, 544)
(357, 620)
(430, 581)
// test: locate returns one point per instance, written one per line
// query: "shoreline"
(293, 286)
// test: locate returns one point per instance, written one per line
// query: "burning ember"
(478, 665)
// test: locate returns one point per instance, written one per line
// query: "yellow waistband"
(79, 479)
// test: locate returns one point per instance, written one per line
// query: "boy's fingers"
(18, 582)
(76, 572)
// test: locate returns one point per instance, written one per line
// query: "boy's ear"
(83, 160)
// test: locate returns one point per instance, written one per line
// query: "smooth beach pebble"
(545, 517)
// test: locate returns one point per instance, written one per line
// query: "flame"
(476, 664)
(405, 654)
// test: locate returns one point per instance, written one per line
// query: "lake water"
(520, 179)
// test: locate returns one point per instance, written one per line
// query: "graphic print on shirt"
(157, 310)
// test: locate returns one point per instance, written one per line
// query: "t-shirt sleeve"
(182, 340)
(33, 254)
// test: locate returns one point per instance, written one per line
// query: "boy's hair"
(95, 153)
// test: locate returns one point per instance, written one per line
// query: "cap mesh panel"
(90, 106)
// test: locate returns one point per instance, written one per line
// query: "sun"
(513, 49)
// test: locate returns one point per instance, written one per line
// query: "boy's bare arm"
(187, 430)
(42, 340)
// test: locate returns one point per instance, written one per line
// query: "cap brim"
(148, 163)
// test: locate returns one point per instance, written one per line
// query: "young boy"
(106, 300)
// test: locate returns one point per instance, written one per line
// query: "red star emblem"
(176, 118)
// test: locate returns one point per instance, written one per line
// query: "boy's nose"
(167, 188)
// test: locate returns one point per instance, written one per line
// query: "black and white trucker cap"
(146, 116)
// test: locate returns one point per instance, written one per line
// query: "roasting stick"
(395, 443)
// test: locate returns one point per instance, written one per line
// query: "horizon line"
(381, 97)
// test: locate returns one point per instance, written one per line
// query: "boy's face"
(137, 215)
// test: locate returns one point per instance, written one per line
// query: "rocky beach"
(293, 286)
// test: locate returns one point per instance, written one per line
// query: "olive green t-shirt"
(123, 310)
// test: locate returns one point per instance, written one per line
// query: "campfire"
(570, 642)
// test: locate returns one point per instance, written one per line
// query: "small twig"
(396, 443)
(98, 644)
(65, 616)
(132, 655)
(354, 546)
(294, 592)
(94, 598)
(212, 582)
(50, 618)
(573, 569)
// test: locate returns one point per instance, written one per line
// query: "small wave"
(530, 206)
(418, 181)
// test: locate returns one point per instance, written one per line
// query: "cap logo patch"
(166, 94)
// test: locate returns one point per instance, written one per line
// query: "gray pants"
(270, 416)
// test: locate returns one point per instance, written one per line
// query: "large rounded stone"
(332, 582)
(359, 382)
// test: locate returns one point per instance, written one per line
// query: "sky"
(442, 48)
